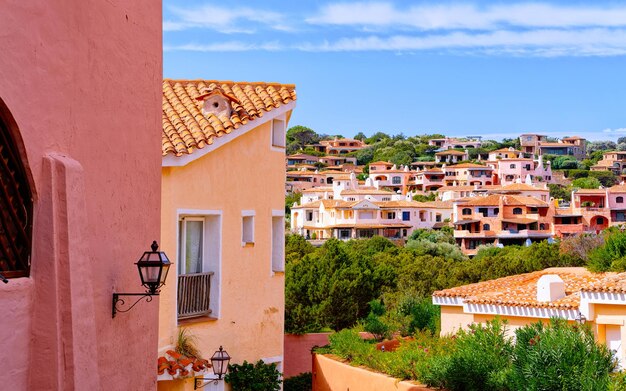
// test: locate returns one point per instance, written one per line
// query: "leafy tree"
(565, 162)
(621, 140)
(612, 255)
(253, 377)
(586, 183)
(606, 178)
(290, 199)
(376, 137)
(298, 136)
(602, 146)
(559, 192)
(425, 198)
(360, 136)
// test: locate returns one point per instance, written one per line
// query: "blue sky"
(495, 69)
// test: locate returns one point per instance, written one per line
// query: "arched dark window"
(467, 211)
(542, 227)
(486, 227)
(16, 206)
(619, 200)
(517, 211)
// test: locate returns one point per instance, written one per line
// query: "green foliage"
(257, 377)
(618, 381)
(301, 382)
(559, 356)
(560, 192)
(434, 236)
(298, 136)
(296, 247)
(606, 178)
(425, 198)
(290, 199)
(478, 362)
(422, 314)
(586, 183)
(565, 162)
(374, 323)
(612, 255)
(332, 286)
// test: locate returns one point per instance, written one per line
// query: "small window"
(512, 166)
(517, 211)
(278, 133)
(496, 211)
(396, 180)
(278, 243)
(542, 227)
(467, 211)
(438, 218)
(600, 220)
(619, 200)
(406, 216)
(486, 227)
(391, 215)
(247, 228)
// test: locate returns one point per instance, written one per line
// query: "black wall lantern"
(153, 267)
(219, 362)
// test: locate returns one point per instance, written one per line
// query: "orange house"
(223, 222)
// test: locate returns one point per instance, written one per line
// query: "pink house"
(80, 111)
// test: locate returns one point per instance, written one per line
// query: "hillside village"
(489, 196)
(177, 234)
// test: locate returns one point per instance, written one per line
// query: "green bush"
(422, 313)
(559, 356)
(257, 377)
(478, 362)
(301, 382)
(586, 183)
(374, 323)
(612, 255)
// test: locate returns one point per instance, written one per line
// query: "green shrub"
(559, 356)
(586, 183)
(612, 255)
(301, 382)
(374, 323)
(257, 377)
(618, 381)
(422, 313)
(478, 362)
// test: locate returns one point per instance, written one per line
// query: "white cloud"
(545, 43)
(468, 16)
(615, 131)
(231, 46)
(225, 19)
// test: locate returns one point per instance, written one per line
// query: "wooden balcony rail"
(193, 294)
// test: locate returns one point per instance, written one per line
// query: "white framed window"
(278, 133)
(278, 241)
(199, 264)
(247, 227)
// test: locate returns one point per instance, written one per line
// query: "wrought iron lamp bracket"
(198, 382)
(117, 300)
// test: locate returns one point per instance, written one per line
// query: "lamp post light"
(153, 267)
(219, 362)
(581, 319)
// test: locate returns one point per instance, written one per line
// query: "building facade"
(225, 240)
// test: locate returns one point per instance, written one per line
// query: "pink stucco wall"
(82, 82)
(298, 358)
(329, 374)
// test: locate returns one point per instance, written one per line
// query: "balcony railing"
(193, 294)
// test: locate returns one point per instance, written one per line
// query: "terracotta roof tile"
(186, 128)
(471, 165)
(521, 289)
(612, 283)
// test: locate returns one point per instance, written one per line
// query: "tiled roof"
(618, 188)
(186, 128)
(523, 200)
(522, 187)
(521, 289)
(319, 189)
(380, 163)
(613, 283)
(490, 200)
(181, 366)
(450, 152)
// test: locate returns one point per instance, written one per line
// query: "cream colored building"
(222, 222)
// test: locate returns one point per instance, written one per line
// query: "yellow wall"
(453, 318)
(244, 174)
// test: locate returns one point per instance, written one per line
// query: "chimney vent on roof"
(217, 102)
(550, 287)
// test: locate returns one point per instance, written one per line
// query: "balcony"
(193, 295)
